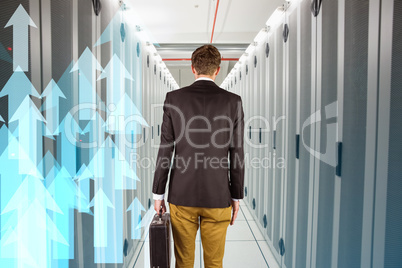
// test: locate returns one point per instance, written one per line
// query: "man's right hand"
(235, 210)
(160, 204)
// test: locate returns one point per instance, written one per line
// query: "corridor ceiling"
(191, 21)
(180, 26)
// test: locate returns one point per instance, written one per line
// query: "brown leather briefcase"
(160, 241)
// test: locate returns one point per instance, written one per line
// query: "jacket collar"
(204, 78)
(204, 82)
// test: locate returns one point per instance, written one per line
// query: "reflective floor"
(245, 246)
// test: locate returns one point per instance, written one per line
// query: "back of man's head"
(206, 60)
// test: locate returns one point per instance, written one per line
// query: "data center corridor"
(82, 88)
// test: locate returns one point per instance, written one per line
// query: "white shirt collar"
(204, 78)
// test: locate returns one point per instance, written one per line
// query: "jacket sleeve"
(165, 152)
(236, 154)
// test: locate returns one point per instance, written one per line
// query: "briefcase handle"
(160, 214)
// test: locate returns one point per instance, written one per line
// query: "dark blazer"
(204, 125)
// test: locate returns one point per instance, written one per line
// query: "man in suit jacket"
(204, 125)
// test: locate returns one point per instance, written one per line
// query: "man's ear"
(193, 70)
(217, 70)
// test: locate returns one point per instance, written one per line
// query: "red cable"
(184, 59)
(216, 12)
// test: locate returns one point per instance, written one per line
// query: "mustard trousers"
(213, 225)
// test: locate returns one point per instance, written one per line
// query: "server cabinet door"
(325, 135)
(270, 115)
(292, 104)
(255, 126)
(304, 190)
(143, 133)
(393, 233)
(387, 235)
(262, 141)
(279, 139)
(248, 103)
(267, 142)
(350, 200)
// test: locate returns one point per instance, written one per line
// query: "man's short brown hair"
(206, 59)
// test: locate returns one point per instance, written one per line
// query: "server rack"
(335, 79)
(65, 31)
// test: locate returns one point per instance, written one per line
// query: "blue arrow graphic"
(31, 188)
(69, 127)
(25, 164)
(9, 223)
(115, 73)
(10, 177)
(21, 22)
(96, 136)
(96, 129)
(33, 231)
(48, 165)
(87, 65)
(3, 138)
(32, 199)
(66, 84)
(17, 88)
(123, 171)
(84, 174)
(102, 166)
(63, 189)
(12, 147)
(32, 228)
(112, 33)
(101, 203)
(52, 94)
(136, 208)
(82, 178)
(49, 178)
(127, 112)
(148, 217)
(9, 256)
(68, 131)
(27, 116)
(64, 192)
(97, 164)
(15, 151)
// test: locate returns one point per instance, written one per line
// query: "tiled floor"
(245, 246)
